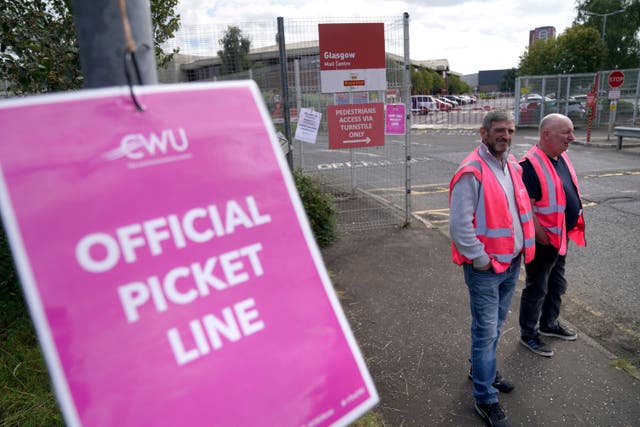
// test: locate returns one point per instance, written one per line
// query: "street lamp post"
(604, 18)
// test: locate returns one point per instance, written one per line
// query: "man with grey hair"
(555, 196)
(491, 227)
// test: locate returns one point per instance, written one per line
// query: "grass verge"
(26, 396)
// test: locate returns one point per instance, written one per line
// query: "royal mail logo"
(151, 149)
(354, 82)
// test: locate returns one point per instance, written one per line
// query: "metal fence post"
(567, 96)
(635, 99)
(516, 108)
(407, 135)
(543, 93)
(285, 89)
(101, 41)
(296, 71)
(352, 169)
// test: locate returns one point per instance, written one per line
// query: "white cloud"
(472, 34)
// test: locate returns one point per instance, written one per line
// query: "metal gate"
(370, 185)
(567, 94)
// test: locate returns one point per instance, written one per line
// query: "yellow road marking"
(606, 175)
(422, 193)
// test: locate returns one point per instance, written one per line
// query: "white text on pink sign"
(100, 252)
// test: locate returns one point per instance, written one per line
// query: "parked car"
(442, 106)
(532, 98)
(575, 110)
(461, 100)
(467, 99)
(452, 99)
(448, 101)
(530, 112)
(422, 104)
(582, 99)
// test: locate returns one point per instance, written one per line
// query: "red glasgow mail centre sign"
(352, 57)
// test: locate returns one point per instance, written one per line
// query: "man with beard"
(491, 227)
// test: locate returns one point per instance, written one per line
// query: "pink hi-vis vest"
(492, 219)
(550, 208)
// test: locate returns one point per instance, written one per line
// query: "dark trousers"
(544, 286)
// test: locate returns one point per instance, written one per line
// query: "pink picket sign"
(168, 265)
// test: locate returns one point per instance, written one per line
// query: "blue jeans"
(490, 296)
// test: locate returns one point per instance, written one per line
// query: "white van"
(422, 104)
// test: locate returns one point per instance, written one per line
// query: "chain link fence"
(466, 114)
(568, 93)
(370, 185)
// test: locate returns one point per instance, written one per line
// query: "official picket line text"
(100, 252)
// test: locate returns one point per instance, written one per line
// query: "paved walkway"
(408, 307)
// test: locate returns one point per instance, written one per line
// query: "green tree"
(421, 80)
(165, 22)
(621, 32)
(438, 82)
(456, 85)
(508, 82)
(578, 50)
(39, 49)
(235, 51)
(424, 80)
(534, 59)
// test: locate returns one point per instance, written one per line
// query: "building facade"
(541, 33)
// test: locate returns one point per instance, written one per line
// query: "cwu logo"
(136, 146)
(146, 150)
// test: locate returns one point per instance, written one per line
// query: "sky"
(472, 35)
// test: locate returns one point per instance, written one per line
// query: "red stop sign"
(616, 78)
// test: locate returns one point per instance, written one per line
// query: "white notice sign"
(308, 124)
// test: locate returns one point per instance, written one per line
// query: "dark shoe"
(537, 346)
(503, 385)
(492, 415)
(561, 332)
